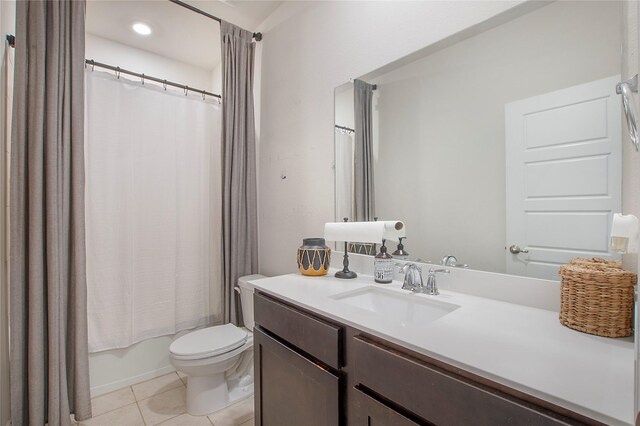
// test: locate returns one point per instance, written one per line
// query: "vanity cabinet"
(313, 371)
(436, 395)
(297, 359)
(368, 410)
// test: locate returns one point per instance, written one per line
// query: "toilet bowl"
(218, 360)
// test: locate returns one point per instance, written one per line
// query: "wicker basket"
(617, 264)
(597, 297)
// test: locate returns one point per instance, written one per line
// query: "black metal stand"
(345, 273)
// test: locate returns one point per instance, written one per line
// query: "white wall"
(442, 124)
(344, 106)
(303, 60)
(630, 158)
(216, 80)
(7, 26)
(117, 368)
(117, 54)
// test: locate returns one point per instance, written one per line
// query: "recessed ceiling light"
(141, 28)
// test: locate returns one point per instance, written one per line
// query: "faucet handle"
(408, 266)
(412, 277)
(432, 288)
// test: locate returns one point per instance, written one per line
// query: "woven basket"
(597, 297)
(617, 264)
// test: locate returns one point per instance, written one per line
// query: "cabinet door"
(437, 395)
(290, 389)
(369, 411)
(317, 337)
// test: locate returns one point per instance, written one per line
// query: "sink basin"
(395, 305)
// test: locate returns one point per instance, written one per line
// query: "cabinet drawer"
(292, 390)
(368, 411)
(438, 396)
(315, 336)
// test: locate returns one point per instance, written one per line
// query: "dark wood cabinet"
(291, 389)
(436, 395)
(319, 338)
(313, 371)
(297, 359)
(369, 410)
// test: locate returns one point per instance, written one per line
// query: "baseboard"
(119, 384)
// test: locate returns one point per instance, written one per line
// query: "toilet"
(218, 360)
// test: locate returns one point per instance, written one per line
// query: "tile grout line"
(182, 385)
(140, 411)
(156, 394)
(166, 420)
(113, 409)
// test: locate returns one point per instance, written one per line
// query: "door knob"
(515, 249)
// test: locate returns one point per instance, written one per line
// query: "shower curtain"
(152, 211)
(48, 321)
(365, 204)
(240, 192)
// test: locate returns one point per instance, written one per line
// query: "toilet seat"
(208, 342)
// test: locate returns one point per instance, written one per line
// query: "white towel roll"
(357, 232)
(394, 230)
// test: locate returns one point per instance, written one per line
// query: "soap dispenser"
(383, 266)
(400, 253)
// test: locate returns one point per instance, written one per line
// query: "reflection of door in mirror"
(439, 127)
(563, 176)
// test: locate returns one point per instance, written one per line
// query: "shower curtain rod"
(11, 40)
(345, 128)
(257, 36)
(144, 77)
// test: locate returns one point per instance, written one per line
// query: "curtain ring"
(143, 79)
(203, 95)
(118, 72)
(93, 65)
(186, 90)
(164, 85)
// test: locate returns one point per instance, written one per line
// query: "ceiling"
(178, 33)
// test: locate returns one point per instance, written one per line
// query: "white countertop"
(522, 347)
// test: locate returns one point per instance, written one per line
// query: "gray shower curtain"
(49, 356)
(364, 193)
(239, 203)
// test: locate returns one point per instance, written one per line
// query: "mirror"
(505, 136)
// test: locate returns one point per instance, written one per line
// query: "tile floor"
(161, 401)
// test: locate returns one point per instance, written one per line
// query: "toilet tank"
(246, 298)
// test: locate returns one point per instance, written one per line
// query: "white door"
(563, 176)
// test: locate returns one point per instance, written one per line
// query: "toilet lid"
(208, 342)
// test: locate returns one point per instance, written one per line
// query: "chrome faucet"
(431, 287)
(449, 260)
(412, 277)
